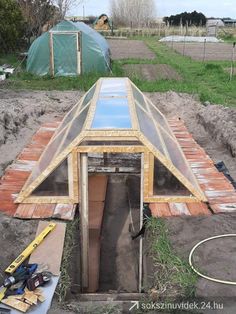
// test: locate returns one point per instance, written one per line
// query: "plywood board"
(95, 214)
(50, 250)
(97, 188)
(94, 260)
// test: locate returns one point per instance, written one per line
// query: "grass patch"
(208, 80)
(173, 276)
(70, 242)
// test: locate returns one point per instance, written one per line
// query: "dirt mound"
(22, 112)
(220, 122)
(212, 126)
(15, 237)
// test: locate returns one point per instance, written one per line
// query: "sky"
(211, 8)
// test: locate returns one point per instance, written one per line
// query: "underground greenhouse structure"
(113, 152)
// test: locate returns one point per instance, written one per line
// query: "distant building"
(78, 19)
(214, 23)
(230, 22)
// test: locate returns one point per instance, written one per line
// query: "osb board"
(49, 252)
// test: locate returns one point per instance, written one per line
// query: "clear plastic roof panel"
(113, 104)
(112, 113)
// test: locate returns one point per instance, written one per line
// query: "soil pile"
(21, 114)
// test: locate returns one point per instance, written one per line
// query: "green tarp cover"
(95, 52)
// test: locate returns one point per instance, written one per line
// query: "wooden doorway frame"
(84, 205)
(78, 49)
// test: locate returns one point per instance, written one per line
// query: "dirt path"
(118, 268)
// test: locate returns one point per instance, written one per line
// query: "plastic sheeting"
(95, 52)
(190, 39)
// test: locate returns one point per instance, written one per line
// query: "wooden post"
(140, 280)
(51, 54)
(78, 36)
(204, 50)
(84, 218)
(232, 62)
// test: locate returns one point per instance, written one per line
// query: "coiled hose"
(198, 272)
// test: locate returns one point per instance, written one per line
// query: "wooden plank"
(25, 211)
(94, 260)
(224, 208)
(43, 210)
(51, 54)
(96, 210)
(97, 186)
(50, 250)
(178, 209)
(196, 209)
(160, 210)
(64, 211)
(84, 187)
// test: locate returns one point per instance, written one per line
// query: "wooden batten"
(49, 200)
(111, 149)
(51, 54)
(171, 199)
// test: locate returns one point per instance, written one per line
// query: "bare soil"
(119, 254)
(151, 72)
(125, 49)
(21, 114)
(215, 258)
(213, 52)
(214, 128)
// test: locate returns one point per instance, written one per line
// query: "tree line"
(21, 20)
(134, 13)
(185, 18)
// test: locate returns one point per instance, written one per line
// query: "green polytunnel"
(68, 49)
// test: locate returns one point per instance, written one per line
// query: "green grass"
(70, 243)
(173, 275)
(208, 80)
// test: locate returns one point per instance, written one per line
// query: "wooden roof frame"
(147, 148)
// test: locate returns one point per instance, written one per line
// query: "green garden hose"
(202, 275)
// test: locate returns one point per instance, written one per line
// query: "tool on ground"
(4, 311)
(33, 245)
(23, 273)
(38, 280)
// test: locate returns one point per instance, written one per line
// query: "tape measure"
(26, 253)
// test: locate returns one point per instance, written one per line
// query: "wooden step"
(110, 296)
